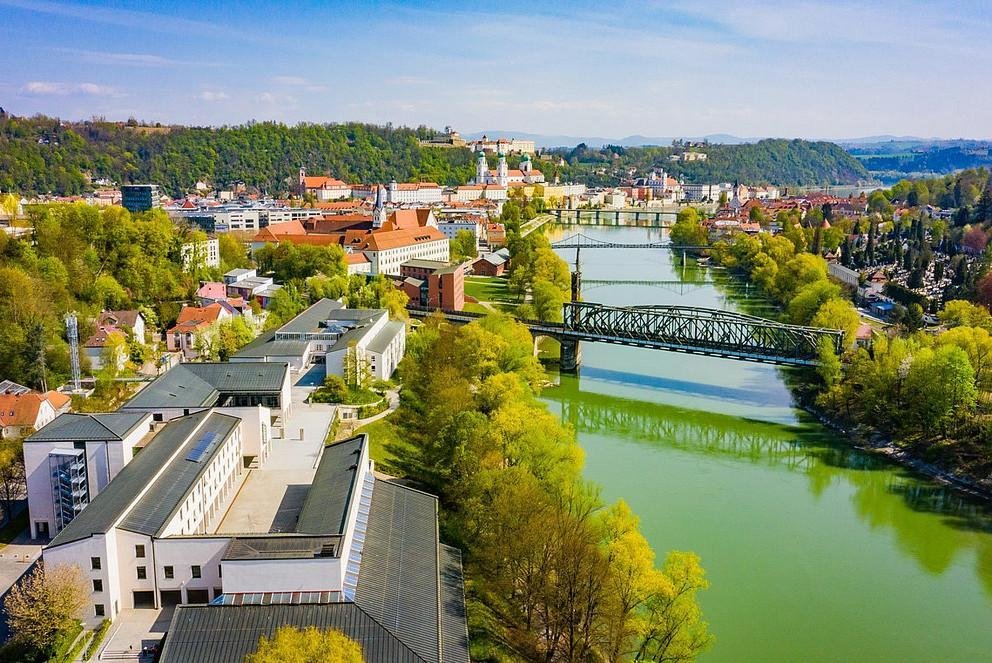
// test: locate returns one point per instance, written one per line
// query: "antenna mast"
(72, 329)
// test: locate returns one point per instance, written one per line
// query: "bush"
(97, 639)
(366, 411)
(64, 641)
(73, 653)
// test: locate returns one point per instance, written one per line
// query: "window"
(196, 571)
(95, 563)
(97, 585)
(142, 573)
(139, 551)
(170, 572)
(98, 610)
(220, 571)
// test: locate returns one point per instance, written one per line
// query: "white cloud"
(213, 95)
(132, 59)
(266, 98)
(51, 88)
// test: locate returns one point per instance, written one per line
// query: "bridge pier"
(571, 355)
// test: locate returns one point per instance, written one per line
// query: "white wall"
(181, 554)
(282, 575)
(256, 429)
(79, 553)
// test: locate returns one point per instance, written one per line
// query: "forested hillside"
(774, 161)
(44, 155)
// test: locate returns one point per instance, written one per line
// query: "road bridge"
(685, 329)
(616, 217)
(580, 241)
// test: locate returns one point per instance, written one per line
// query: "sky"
(810, 69)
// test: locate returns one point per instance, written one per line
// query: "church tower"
(481, 168)
(379, 211)
(502, 171)
(303, 180)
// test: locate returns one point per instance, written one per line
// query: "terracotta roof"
(415, 186)
(391, 239)
(356, 259)
(279, 231)
(22, 409)
(320, 182)
(192, 318)
(408, 218)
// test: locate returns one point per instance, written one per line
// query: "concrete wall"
(282, 575)
(256, 429)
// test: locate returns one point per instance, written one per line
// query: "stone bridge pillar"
(571, 355)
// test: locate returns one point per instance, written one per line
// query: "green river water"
(814, 551)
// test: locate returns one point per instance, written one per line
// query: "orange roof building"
(22, 412)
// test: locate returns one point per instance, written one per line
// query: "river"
(814, 551)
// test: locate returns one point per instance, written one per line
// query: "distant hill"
(769, 161)
(45, 155)
(553, 140)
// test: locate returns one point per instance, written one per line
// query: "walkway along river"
(815, 551)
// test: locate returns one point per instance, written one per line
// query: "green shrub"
(97, 639)
(64, 641)
(73, 653)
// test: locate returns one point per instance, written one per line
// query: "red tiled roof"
(320, 182)
(192, 318)
(22, 409)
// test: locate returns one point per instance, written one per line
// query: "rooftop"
(326, 508)
(200, 385)
(385, 336)
(158, 504)
(282, 546)
(83, 427)
(227, 634)
(109, 505)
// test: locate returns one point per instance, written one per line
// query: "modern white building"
(418, 193)
(363, 556)
(325, 333)
(451, 226)
(470, 192)
(205, 253)
(70, 460)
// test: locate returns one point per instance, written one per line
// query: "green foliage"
(774, 161)
(287, 261)
(309, 645)
(83, 259)
(263, 155)
(98, 637)
(562, 573)
(464, 246)
(688, 229)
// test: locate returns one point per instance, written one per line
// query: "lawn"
(489, 289)
(386, 447)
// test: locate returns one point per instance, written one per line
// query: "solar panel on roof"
(203, 447)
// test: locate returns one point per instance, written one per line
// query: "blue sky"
(763, 68)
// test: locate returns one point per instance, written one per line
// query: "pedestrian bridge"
(685, 329)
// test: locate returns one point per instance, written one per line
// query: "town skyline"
(818, 70)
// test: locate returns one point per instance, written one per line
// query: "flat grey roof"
(386, 336)
(156, 507)
(200, 385)
(266, 346)
(94, 427)
(398, 583)
(309, 319)
(325, 510)
(100, 514)
(227, 634)
(282, 546)
(424, 264)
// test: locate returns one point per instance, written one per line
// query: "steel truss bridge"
(581, 241)
(615, 217)
(677, 329)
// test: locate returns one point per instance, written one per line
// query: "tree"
(48, 601)
(335, 389)
(464, 246)
(357, 373)
(675, 630)
(548, 301)
(12, 479)
(233, 254)
(942, 382)
(232, 335)
(839, 314)
(688, 230)
(829, 368)
(310, 645)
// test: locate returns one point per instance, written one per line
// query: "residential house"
(24, 410)
(194, 322)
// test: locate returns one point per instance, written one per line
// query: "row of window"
(139, 551)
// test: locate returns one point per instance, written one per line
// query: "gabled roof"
(228, 634)
(321, 182)
(212, 290)
(119, 318)
(391, 239)
(200, 384)
(100, 515)
(155, 508)
(192, 318)
(398, 583)
(89, 427)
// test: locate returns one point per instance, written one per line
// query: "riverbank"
(879, 445)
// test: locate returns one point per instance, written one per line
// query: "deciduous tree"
(46, 602)
(309, 645)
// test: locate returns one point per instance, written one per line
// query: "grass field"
(489, 289)
(385, 444)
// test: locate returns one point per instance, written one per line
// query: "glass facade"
(67, 468)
